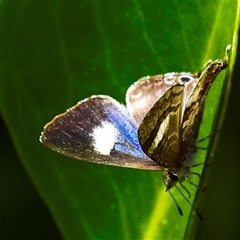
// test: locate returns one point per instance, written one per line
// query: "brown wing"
(99, 130)
(160, 133)
(143, 94)
(195, 103)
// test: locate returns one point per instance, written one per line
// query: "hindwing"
(143, 94)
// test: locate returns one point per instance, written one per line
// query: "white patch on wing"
(160, 133)
(104, 137)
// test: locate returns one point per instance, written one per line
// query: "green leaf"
(54, 54)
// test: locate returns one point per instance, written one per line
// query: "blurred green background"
(54, 54)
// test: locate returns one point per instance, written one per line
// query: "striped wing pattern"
(194, 108)
(161, 127)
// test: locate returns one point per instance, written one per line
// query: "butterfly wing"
(98, 129)
(194, 108)
(143, 94)
(160, 132)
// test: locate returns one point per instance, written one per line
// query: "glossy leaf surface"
(54, 54)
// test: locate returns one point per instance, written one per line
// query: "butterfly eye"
(171, 178)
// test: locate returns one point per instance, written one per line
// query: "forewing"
(195, 103)
(160, 133)
(99, 130)
(143, 94)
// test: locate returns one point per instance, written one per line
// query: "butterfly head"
(172, 177)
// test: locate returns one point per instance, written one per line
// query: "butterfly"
(157, 130)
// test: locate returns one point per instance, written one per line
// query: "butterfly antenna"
(178, 207)
(195, 209)
(173, 198)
